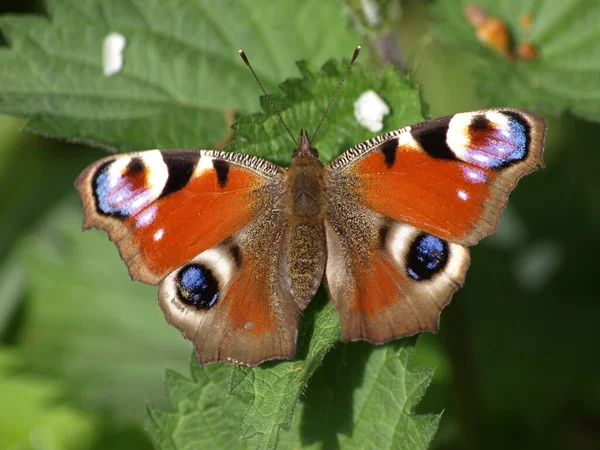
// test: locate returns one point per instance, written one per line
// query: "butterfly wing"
(163, 208)
(209, 227)
(388, 279)
(449, 177)
(403, 206)
(234, 301)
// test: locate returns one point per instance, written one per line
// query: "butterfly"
(239, 245)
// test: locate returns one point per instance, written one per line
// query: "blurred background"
(82, 348)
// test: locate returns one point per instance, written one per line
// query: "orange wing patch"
(246, 305)
(378, 288)
(194, 219)
(431, 194)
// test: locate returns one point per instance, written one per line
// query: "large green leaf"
(181, 76)
(566, 74)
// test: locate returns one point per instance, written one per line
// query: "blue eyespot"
(122, 193)
(197, 286)
(502, 145)
(427, 256)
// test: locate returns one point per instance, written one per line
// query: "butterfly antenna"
(245, 58)
(356, 52)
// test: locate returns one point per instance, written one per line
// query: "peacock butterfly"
(239, 245)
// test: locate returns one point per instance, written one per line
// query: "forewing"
(449, 177)
(163, 208)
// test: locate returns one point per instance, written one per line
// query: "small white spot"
(146, 217)
(474, 175)
(112, 53)
(369, 110)
(462, 194)
(159, 234)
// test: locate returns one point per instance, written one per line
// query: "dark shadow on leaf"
(330, 395)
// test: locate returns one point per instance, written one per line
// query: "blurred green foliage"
(82, 347)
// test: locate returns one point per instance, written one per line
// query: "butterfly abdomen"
(304, 259)
(304, 249)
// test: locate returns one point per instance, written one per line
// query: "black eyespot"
(197, 286)
(427, 256)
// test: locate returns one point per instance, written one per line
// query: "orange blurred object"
(527, 51)
(491, 31)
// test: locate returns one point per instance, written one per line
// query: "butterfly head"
(305, 149)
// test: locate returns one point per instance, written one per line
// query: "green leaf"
(566, 74)
(88, 323)
(273, 390)
(205, 416)
(363, 398)
(182, 77)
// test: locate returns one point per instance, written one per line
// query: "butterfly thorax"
(304, 183)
